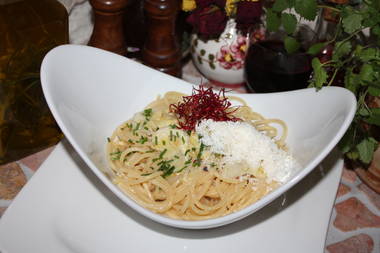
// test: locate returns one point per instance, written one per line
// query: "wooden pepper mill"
(108, 25)
(161, 50)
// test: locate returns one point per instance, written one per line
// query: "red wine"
(269, 68)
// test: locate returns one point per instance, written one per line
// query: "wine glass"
(270, 68)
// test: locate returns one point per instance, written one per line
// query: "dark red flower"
(208, 22)
(248, 13)
(206, 3)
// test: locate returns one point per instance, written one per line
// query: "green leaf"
(320, 74)
(289, 22)
(316, 48)
(363, 111)
(352, 22)
(366, 73)
(341, 49)
(280, 5)
(306, 8)
(374, 117)
(291, 44)
(369, 54)
(345, 144)
(353, 155)
(273, 21)
(376, 30)
(374, 91)
(366, 148)
(202, 52)
(351, 81)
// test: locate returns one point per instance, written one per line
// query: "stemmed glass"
(269, 67)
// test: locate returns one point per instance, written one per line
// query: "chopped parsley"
(115, 155)
(166, 168)
(142, 139)
(197, 162)
(188, 161)
(147, 113)
(162, 153)
(136, 128)
(184, 167)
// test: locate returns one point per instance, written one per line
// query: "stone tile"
(343, 189)
(349, 175)
(371, 194)
(352, 214)
(34, 161)
(361, 243)
(12, 179)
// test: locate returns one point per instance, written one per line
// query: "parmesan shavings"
(246, 149)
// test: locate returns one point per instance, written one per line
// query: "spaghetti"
(170, 171)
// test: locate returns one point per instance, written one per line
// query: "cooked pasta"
(170, 171)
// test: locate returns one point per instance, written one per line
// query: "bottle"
(29, 29)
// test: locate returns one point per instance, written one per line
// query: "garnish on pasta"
(198, 157)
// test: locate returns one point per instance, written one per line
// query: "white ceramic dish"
(64, 208)
(91, 91)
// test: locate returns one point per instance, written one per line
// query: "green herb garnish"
(147, 114)
(115, 155)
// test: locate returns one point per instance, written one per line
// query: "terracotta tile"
(361, 243)
(352, 214)
(343, 189)
(349, 175)
(371, 194)
(2, 210)
(366, 176)
(34, 161)
(12, 179)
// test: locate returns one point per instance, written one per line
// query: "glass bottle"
(29, 29)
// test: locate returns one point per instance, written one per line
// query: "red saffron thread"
(202, 104)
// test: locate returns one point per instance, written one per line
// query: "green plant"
(354, 60)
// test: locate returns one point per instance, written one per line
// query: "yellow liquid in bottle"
(28, 30)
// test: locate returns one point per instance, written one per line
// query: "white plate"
(91, 91)
(65, 208)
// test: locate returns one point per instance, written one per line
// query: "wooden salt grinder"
(108, 25)
(161, 50)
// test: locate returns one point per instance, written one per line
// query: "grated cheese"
(246, 150)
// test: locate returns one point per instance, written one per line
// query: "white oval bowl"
(91, 91)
